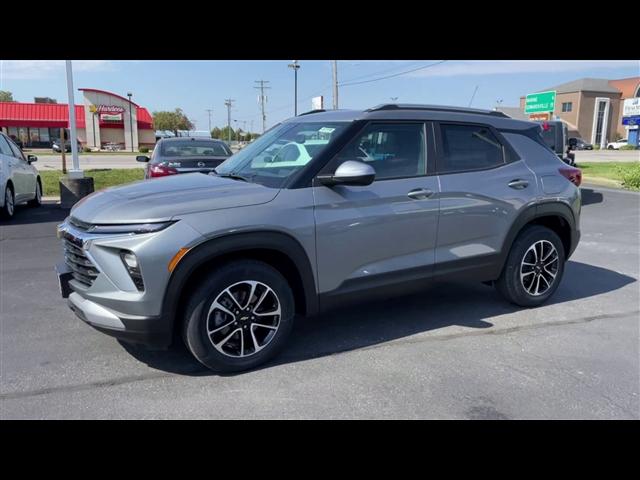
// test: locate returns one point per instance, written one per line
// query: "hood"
(163, 198)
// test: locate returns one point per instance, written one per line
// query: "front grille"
(82, 269)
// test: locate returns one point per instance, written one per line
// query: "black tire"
(610, 147)
(195, 322)
(510, 284)
(37, 201)
(8, 210)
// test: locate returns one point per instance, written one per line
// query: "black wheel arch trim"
(225, 244)
(540, 210)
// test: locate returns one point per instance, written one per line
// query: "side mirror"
(268, 159)
(350, 172)
(142, 158)
(31, 159)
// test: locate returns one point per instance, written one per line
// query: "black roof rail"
(312, 111)
(436, 108)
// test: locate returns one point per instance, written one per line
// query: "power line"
(394, 75)
(379, 72)
(262, 88)
(473, 96)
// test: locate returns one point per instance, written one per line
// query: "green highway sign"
(540, 102)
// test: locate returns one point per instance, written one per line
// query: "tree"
(173, 121)
(216, 133)
(224, 134)
(6, 96)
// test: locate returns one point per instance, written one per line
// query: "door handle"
(518, 184)
(420, 193)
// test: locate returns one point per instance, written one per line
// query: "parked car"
(19, 180)
(184, 155)
(580, 144)
(394, 197)
(55, 146)
(617, 144)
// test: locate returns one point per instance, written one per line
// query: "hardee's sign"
(109, 109)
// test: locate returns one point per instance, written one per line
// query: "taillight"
(574, 175)
(161, 171)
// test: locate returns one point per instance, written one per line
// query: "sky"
(196, 86)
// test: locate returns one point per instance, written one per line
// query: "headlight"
(130, 228)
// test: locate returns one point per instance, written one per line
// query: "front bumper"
(155, 332)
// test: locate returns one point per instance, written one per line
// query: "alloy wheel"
(243, 319)
(8, 201)
(539, 267)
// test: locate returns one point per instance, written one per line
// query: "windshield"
(194, 148)
(280, 152)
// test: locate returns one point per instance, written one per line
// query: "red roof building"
(103, 119)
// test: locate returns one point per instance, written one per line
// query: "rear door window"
(468, 147)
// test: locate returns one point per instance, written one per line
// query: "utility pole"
(209, 112)
(334, 64)
(228, 103)
(262, 99)
(295, 65)
(129, 94)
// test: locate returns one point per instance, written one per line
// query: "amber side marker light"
(176, 258)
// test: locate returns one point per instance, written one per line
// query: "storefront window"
(34, 135)
(23, 135)
(44, 135)
(13, 132)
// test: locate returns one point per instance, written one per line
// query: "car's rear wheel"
(239, 317)
(37, 201)
(9, 203)
(534, 267)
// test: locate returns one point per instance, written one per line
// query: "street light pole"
(209, 112)
(334, 64)
(129, 94)
(228, 102)
(295, 65)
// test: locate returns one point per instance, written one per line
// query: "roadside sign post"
(74, 185)
(543, 102)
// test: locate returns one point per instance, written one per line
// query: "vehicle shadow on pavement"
(47, 212)
(590, 196)
(370, 324)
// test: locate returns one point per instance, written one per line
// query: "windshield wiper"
(233, 176)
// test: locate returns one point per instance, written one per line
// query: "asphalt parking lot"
(455, 351)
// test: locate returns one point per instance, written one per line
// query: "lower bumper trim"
(155, 332)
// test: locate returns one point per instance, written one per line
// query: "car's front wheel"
(9, 203)
(239, 317)
(534, 267)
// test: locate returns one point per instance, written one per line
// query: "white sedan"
(616, 145)
(19, 180)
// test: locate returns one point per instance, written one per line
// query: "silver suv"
(323, 209)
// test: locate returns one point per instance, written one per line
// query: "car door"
(484, 185)
(383, 233)
(25, 179)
